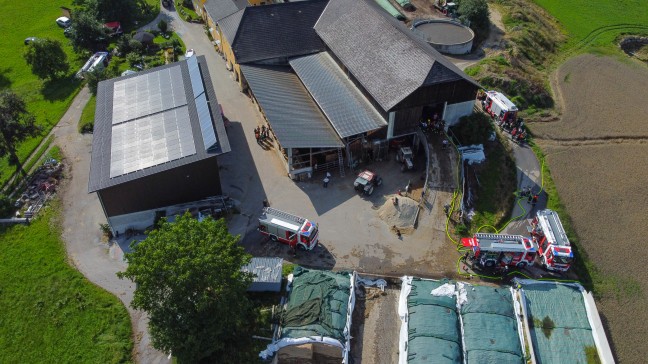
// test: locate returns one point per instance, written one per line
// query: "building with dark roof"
(340, 65)
(157, 134)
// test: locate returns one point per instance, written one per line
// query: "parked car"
(189, 53)
(64, 22)
(366, 182)
(30, 39)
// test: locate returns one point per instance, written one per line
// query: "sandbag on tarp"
(559, 326)
(489, 326)
(433, 326)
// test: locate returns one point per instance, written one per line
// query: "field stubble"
(599, 161)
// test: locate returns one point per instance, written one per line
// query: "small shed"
(268, 274)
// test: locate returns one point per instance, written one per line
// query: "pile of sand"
(401, 215)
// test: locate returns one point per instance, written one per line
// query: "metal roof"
(386, 58)
(274, 31)
(294, 117)
(266, 269)
(347, 109)
(218, 9)
(152, 121)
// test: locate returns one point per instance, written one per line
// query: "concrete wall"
(453, 112)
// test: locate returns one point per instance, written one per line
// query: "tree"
(476, 11)
(124, 11)
(189, 281)
(85, 31)
(46, 58)
(163, 26)
(16, 124)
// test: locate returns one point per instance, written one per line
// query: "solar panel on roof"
(135, 144)
(196, 79)
(206, 125)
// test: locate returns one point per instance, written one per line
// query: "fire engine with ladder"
(286, 228)
(549, 235)
(500, 250)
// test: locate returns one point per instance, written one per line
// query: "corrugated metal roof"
(266, 269)
(293, 115)
(218, 9)
(382, 54)
(274, 31)
(100, 164)
(347, 109)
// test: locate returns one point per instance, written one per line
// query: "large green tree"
(16, 124)
(189, 281)
(85, 31)
(124, 11)
(476, 11)
(46, 58)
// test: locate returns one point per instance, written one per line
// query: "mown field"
(46, 100)
(598, 21)
(49, 313)
(598, 158)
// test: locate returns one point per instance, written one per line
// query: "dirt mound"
(401, 215)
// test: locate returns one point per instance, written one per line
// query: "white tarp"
(474, 154)
(403, 312)
(445, 289)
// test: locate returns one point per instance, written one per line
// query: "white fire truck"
(286, 228)
(553, 245)
(501, 250)
(499, 106)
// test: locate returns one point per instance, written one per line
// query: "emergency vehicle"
(499, 106)
(501, 250)
(286, 228)
(554, 248)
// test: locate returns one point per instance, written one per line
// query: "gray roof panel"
(347, 109)
(266, 269)
(275, 31)
(218, 9)
(388, 59)
(230, 24)
(294, 117)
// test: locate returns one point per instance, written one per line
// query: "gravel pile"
(399, 216)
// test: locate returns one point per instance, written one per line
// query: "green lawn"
(86, 123)
(598, 22)
(49, 313)
(47, 101)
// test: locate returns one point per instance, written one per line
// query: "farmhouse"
(336, 80)
(157, 136)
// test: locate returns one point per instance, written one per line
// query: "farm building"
(316, 320)
(267, 273)
(157, 135)
(336, 80)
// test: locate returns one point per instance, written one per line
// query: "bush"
(133, 58)
(476, 12)
(473, 129)
(6, 208)
(163, 26)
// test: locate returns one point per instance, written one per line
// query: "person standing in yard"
(326, 181)
(535, 199)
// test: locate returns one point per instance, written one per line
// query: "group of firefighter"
(515, 126)
(435, 124)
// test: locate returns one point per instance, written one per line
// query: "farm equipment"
(447, 8)
(366, 182)
(553, 244)
(406, 158)
(495, 251)
(499, 107)
(295, 231)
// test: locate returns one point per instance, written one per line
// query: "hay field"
(598, 156)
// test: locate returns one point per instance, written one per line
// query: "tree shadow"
(60, 89)
(5, 82)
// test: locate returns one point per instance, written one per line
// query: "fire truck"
(501, 250)
(554, 248)
(499, 106)
(286, 228)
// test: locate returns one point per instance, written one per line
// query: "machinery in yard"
(286, 228)
(406, 158)
(500, 250)
(446, 7)
(554, 248)
(366, 181)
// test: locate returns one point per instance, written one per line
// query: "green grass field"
(86, 123)
(598, 22)
(49, 313)
(47, 101)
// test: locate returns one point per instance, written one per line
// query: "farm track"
(575, 142)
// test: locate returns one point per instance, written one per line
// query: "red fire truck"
(493, 250)
(288, 229)
(499, 106)
(549, 235)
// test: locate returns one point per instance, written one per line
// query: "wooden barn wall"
(451, 92)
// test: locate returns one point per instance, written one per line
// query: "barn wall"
(186, 183)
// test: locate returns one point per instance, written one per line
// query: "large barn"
(157, 135)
